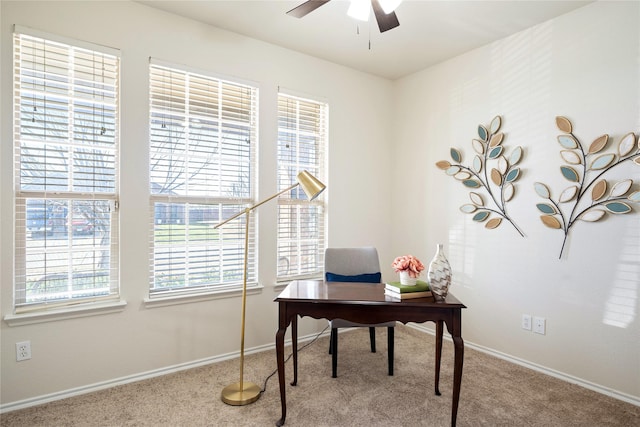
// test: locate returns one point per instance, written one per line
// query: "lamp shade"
(311, 185)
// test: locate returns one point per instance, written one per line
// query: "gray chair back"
(351, 261)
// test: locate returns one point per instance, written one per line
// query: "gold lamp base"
(234, 395)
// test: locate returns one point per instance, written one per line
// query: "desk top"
(320, 291)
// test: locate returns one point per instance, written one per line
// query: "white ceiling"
(430, 31)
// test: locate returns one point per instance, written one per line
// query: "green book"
(420, 286)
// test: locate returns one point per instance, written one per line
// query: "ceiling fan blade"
(306, 7)
(386, 21)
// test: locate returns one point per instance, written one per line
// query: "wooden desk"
(365, 303)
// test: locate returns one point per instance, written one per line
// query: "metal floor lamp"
(244, 393)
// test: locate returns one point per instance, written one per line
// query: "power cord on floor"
(291, 354)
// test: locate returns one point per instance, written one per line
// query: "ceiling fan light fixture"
(389, 6)
(359, 9)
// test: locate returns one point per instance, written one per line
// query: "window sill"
(279, 286)
(180, 298)
(82, 310)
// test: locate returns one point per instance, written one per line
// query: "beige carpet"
(494, 393)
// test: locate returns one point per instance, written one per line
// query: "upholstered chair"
(354, 265)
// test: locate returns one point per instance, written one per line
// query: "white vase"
(439, 275)
(407, 280)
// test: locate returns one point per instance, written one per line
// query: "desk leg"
(294, 346)
(458, 344)
(439, 331)
(280, 359)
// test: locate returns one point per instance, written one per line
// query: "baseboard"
(39, 400)
(542, 369)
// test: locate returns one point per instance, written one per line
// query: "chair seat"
(341, 323)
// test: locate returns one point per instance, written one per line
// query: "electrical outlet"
(539, 325)
(526, 322)
(23, 350)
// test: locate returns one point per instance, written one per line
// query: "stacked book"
(398, 291)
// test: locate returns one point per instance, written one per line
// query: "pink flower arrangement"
(408, 263)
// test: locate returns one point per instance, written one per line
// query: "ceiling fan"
(382, 9)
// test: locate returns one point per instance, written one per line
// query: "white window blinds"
(66, 171)
(302, 135)
(202, 168)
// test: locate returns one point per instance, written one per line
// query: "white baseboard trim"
(542, 369)
(39, 400)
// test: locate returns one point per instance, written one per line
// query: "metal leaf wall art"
(585, 172)
(491, 171)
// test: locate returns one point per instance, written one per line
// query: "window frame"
(294, 129)
(82, 94)
(227, 205)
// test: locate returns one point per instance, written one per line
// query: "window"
(66, 171)
(302, 134)
(202, 155)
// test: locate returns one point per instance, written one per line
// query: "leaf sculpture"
(492, 171)
(588, 197)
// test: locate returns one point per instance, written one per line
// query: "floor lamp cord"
(264, 388)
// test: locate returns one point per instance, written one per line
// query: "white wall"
(586, 66)
(578, 65)
(77, 353)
